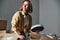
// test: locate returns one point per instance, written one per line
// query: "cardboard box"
(3, 24)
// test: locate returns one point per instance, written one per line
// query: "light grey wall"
(35, 14)
(59, 19)
(49, 15)
(9, 7)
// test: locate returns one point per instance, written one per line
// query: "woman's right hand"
(21, 37)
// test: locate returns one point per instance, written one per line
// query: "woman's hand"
(21, 37)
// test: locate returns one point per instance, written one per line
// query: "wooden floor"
(6, 36)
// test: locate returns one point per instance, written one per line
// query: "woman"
(22, 21)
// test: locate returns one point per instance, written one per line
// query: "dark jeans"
(18, 38)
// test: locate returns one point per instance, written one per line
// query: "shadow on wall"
(1, 1)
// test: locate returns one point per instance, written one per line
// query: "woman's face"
(25, 6)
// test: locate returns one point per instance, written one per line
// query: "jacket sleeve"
(14, 21)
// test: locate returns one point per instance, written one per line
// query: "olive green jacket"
(18, 22)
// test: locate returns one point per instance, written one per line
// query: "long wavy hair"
(30, 9)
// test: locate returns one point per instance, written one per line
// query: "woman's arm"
(19, 36)
(14, 24)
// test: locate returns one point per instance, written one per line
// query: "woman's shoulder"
(16, 14)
